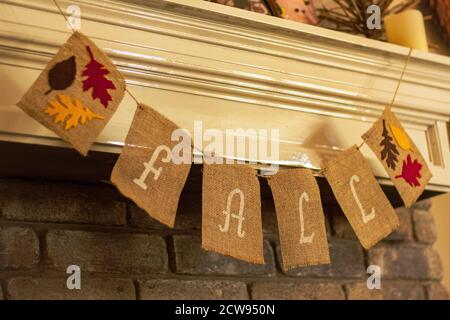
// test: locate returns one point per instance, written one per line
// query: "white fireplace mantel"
(195, 60)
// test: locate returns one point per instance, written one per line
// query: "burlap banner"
(146, 171)
(231, 212)
(301, 222)
(77, 93)
(399, 156)
(360, 197)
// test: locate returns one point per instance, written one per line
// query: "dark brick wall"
(123, 254)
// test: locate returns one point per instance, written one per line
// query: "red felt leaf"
(411, 172)
(95, 73)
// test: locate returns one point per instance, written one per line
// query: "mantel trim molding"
(218, 60)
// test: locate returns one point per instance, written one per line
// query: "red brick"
(269, 216)
(192, 259)
(404, 231)
(19, 248)
(406, 261)
(27, 288)
(424, 227)
(339, 224)
(296, 291)
(422, 205)
(437, 291)
(45, 201)
(388, 291)
(193, 290)
(347, 261)
(188, 217)
(342, 228)
(107, 252)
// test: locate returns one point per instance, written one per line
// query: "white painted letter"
(303, 239)
(239, 216)
(149, 166)
(366, 217)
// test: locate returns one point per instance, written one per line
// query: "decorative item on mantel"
(260, 6)
(442, 11)
(296, 10)
(407, 29)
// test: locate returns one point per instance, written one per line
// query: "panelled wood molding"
(195, 60)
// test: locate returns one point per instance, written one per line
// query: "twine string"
(132, 96)
(401, 78)
(64, 16)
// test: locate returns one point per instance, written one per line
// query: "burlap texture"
(219, 182)
(339, 172)
(150, 130)
(35, 101)
(373, 139)
(288, 187)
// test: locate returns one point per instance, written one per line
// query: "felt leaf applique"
(401, 137)
(411, 172)
(389, 151)
(62, 75)
(69, 111)
(95, 73)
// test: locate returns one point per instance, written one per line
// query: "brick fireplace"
(45, 226)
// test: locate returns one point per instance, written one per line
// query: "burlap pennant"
(360, 197)
(399, 156)
(76, 94)
(301, 222)
(149, 170)
(231, 218)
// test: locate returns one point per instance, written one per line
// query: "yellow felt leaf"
(401, 137)
(71, 111)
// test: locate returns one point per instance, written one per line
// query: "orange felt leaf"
(72, 112)
(401, 137)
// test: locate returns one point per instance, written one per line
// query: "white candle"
(407, 29)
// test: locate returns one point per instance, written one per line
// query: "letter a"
(239, 216)
(366, 217)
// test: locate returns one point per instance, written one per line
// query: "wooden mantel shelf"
(195, 60)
